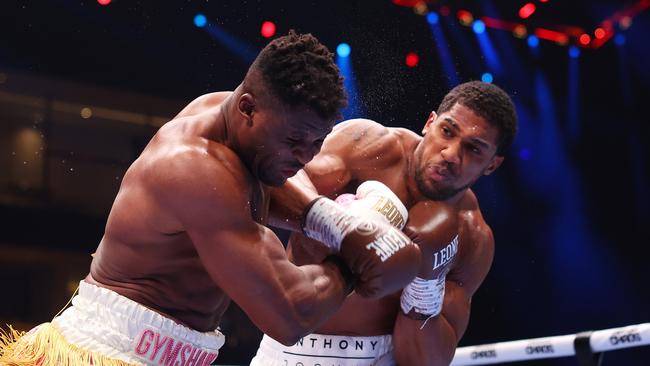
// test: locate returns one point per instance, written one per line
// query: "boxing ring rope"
(585, 345)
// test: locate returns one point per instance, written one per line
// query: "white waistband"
(335, 349)
(104, 321)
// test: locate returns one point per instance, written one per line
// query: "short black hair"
(490, 102)
(301, 71)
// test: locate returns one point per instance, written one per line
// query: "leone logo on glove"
(388, 244)
(366, 227)
(388, 209)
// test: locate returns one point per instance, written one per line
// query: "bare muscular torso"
(374, 152)
(145, 253)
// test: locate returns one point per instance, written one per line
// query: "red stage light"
(409, 3)
(520, 31)
(551, 35)
(527, 10)
(412, 59)
(625, 22)
(465, 17)
(600, 33)
(104, 2)
(268, 29)
(585, 39)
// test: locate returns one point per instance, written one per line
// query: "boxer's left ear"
(494, 164)
(246, 107)
(432, 117)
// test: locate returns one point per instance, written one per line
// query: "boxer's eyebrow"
(452, 122)
(480, 142)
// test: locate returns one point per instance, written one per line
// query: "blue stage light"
(478, 26)
(433, 17)
(487, 77)
(574, 52)
(533, 41)
(619, 39)
(343, 50)
(200, 20)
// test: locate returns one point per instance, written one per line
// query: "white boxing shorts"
(101, 324)
(326, 350)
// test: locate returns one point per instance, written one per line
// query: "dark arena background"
(84, 84)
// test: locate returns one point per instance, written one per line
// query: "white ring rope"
(551, 347)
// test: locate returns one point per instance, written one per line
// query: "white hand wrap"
(425, 296)
(327, 222)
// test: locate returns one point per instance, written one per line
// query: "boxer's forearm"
(309, 302)
(433, 345)
(289, 201)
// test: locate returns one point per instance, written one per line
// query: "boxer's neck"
(226, 122)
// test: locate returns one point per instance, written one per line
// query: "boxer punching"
(186, 233)
(431, 174)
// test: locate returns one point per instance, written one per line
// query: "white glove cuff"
(425, 296)
(327, 222)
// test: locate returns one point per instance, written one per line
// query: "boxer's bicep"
(329, 173)
(344, 151)
(466, 277)
(247, 261)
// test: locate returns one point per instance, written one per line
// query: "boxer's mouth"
(438, 173)
(291, 171)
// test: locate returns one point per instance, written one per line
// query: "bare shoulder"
(476, 245)
(472, 221)
(203, 103)
(193, 172)
(369, 139)
(362, 130)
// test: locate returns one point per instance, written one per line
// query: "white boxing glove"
(376, 197)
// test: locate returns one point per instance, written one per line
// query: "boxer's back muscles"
(185, 235)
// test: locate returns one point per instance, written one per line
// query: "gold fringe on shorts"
(47, 347)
